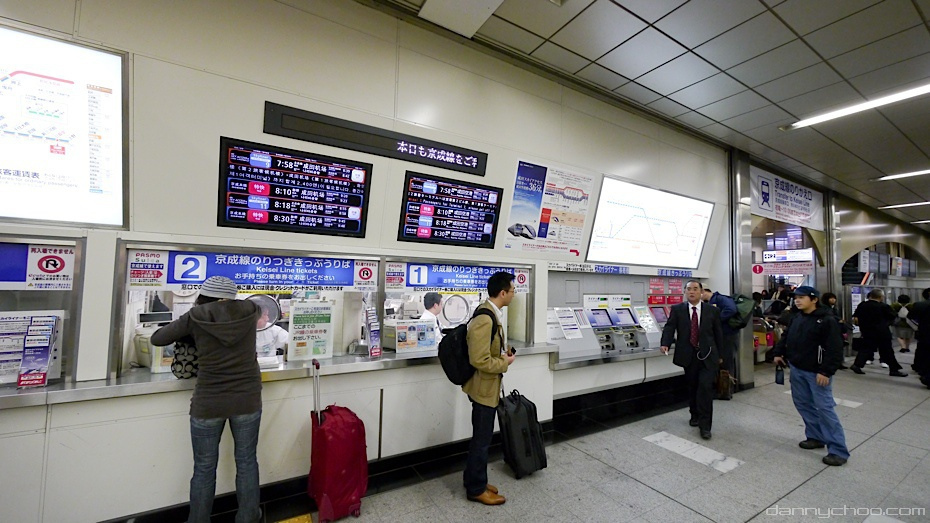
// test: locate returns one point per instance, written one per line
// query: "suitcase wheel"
(357, 512)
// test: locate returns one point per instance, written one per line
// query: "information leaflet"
(311, 332)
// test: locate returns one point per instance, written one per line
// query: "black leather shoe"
(855, 369)
(843, 367)
(811, 444)
(904, 350)
(705, 434)
(693, 422)
(833, 460)
(898, 374)
(925, 381)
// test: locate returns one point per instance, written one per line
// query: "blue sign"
(254, 269)
(451, 276)
(611, 269)
(14, 259)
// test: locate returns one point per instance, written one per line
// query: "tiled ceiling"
(736, 70)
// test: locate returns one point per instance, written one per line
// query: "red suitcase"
(338, 458)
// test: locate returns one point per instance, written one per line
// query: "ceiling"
(737, 70)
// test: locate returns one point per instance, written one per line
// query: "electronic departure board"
(438, 210)
(270, 188)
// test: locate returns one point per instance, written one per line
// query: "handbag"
(184, 365)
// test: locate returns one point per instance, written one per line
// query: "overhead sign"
(791, 255)
(446, 277)
(783, 268)
(785, 201)
(254, 273)
(25, 267)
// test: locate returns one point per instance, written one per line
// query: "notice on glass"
(548, 210)
(311, 332)
(568, 322)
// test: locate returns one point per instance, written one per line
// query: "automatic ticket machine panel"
(617, 330)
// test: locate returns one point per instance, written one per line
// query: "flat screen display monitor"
(625, 318)
(659, 314)
(275, 189)
(450, 212)
(637, 225)
(61, 131)
(599, 318)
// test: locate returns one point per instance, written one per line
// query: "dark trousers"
(700, 380)
(728, 352)
(922, 358)
(867, 349)
(475, 477)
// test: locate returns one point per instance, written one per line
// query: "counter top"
(600, 359)
(141, 381)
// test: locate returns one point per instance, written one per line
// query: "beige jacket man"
(486, 355)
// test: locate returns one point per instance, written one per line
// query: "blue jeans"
(205, 439)
(476, 466)
(816, 405)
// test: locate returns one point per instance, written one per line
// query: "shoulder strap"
(486, 312)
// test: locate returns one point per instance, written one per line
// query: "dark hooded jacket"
(806, 335)
(229, 382)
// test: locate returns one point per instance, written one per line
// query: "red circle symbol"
(51, 264)
(365, 273)
(521, 279)
(758, 269)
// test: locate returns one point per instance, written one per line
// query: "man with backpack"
(486, 353)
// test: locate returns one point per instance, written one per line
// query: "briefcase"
(725, 385)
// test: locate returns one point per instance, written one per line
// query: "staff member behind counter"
(432, 303)
(270, 339)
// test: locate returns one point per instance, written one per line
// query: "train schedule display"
(440, 210)
(271, 188)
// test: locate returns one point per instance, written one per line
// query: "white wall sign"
(790, 255)
(779, 199)
(783, 268)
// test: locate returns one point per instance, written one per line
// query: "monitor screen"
(439, 210)
(626, 317)
(637, 225)
(599, 318)
(276, 189)
(61, 131)
(659, 314)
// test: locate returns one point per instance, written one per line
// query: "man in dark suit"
(695, 329)
(920, 314)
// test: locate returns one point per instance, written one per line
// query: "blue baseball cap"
(807, 290)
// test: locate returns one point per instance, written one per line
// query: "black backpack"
(743, 316)
(453, 349)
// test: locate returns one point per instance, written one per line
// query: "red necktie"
(694, 327)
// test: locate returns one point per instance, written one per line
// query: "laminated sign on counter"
(30, 347)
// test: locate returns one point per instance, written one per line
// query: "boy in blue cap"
(813, 347)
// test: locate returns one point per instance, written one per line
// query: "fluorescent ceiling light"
(900, 205)
(770, 234)
(885, 100)
(922, 221)
(904, 175)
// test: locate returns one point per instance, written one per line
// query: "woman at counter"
(229, 387)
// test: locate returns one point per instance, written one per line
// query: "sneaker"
(810, 444)
(868, 362)
(833, 460)
(884, 365)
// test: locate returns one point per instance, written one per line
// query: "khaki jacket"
(487, 357)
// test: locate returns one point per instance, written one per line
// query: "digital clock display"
(439, 210)
(270, 188)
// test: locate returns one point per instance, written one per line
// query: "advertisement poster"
(656, 286)
(416, 335)
(676, 286)
(25, 267)
(311, 332)
(548, 210)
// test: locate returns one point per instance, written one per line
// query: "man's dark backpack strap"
(488, 312)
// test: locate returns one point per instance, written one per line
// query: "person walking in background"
(874, 317)
(902, 330)
(727, 308)
(920, 316)
(813, 348)
(696, 332)
(757, 305)
(229, 387)
(486, 354)
(828, 300)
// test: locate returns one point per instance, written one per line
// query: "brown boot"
(488, 498)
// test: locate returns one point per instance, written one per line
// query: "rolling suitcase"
(521, 434)
(338, 458)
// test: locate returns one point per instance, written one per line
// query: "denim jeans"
(476, 466)
(205, 439)
(816, 406)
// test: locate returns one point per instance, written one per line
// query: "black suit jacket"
(678, 327)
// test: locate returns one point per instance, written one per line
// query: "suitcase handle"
(316, 390)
